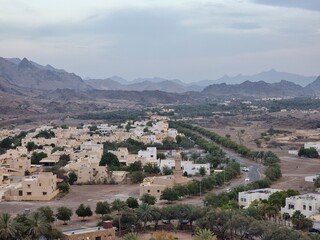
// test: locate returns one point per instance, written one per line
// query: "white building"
(247, 197)
(149, 155)
(187, 166)
(311, 178)
(172, 133)
(307, 204)
(105, 129)
(315, 145)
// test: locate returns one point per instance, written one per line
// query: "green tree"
(83, 211)
(63, 187)
(308, 152)
(31, 146)
(151, 168)
(135, 166)
(131, 236)
(109, 159)
(73, 177)
(204, 234)
(144, 214)
(149, 199)
(118, 205)
(37, 157)
(317, 182)
(103, 208)
(202, 171)
(64, 214)
(37, 225)
(9, 228)
(47, 134)
(166, 170)
(137, 176)
(161, 156)
(300, 221)
(47, 213)
(169, 194)
(132, 202)
(64, 159)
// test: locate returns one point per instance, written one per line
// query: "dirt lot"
(86, 194)
(245, 129)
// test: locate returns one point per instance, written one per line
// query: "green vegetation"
(64, 214)
(269, 159)
(47, 134)
(11, 142)
(308, 152)
(149, 199)
(37, 157)
(83, 211)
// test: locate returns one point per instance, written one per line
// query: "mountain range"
(25, 77)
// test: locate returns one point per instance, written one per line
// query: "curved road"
(253, 174)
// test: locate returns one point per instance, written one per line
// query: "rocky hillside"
(27, 74)
(256, 89)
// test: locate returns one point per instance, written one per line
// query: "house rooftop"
(83, 230)
(262, 190)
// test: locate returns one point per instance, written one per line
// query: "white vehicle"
(247, 180)
(245, 169)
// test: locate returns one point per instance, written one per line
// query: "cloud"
(313, 5)
(188, 39)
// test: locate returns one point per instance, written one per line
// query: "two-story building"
(247, 197)
(307, 204)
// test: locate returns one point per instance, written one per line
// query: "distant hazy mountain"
(255, 89)
(119, 80)
(156, 84)
(271, 76)
(314, 87)
(105, 84)
(27, 74)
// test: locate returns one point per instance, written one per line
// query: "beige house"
(154, 186)
(106, 232)
(17, 165)
(88, 172)
(41, 187)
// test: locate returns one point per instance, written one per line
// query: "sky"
(190, 40)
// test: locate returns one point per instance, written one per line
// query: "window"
(244, 199)
(40, 184)
(28, 185)
(291, 206)
(148, 190)
(310, 208)
(29, 193)
(98, 238)
(44, 193)
(20, 193)
(304, 207)
(158, 190)
(241, 199)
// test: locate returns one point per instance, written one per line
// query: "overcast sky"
(186, 39)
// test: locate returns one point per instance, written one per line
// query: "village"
(51, 161)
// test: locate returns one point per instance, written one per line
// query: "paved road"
(253, 174)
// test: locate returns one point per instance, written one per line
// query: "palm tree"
(204, 234)
(156, 216)
(131, 236)
(144, 214)
(9, 228)
(37, 225)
